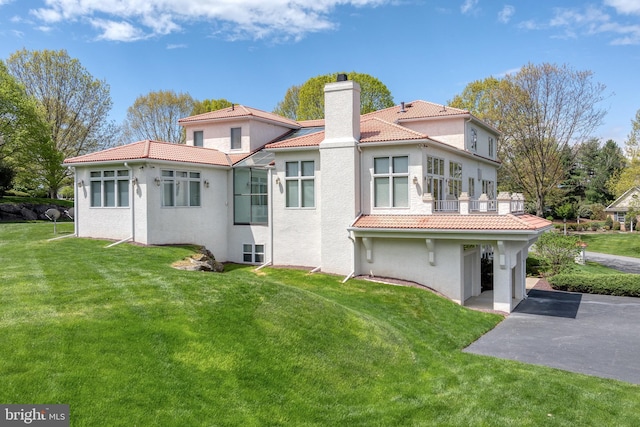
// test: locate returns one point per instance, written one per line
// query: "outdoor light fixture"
(415, 180)
(81, 183)
(278, 180)
(157, 181)
(206, 183)
(134, 181)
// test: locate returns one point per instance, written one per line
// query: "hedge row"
(627, 285)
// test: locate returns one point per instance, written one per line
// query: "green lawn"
(626, 244)
(126, 340)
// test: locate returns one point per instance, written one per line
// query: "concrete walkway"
(622, 263)
(590, 334)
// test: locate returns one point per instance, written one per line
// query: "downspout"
(76, 195)
(270, 219)
(132, 199)
(353, 272)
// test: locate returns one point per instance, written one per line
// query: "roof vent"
(233, 107)
(402, 110)
(341, 77)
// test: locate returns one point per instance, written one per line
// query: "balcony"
(506, 203)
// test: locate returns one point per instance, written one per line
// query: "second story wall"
(234, 136)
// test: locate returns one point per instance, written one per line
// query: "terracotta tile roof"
(416, 110)
(374, 129)
(311, 123)
(453, 222)
(155, 150)
(239, 111)
(309, 140)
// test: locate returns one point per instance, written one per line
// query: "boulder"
(201, 261)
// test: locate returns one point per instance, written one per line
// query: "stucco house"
(619, 209)
(406, 192)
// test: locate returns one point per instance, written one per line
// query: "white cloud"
(119, 19)
(117, 31)
(468, 6)
(592, 21)
(176, 46)
(506, 13)
(627, 7)
(588, 21)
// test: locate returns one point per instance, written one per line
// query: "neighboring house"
(407, 192)
(619, 209)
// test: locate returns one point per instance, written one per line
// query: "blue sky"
(251, 51)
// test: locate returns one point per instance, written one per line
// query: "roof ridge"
(396, 125)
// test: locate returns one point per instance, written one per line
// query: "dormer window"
(198, 138)
(474, 140)
(236, 140)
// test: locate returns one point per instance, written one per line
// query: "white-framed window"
(253, 254)
(198, 138)
(236, 138)
(492, 146)
(435, 177)
(180, 188)
(391, 182)
(250, 196)
(109, 188)
(300, 184)
(473, 139)
(620, 217)
(488, 188)
(472, 187)
(455, 178)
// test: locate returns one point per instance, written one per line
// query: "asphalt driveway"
(591, 334)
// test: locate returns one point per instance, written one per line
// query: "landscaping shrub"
(597, 211)
(627, 285)
(616, 225)
(533, 265)
(556, 252)
(608, 222)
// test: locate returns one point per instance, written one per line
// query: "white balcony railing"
(505, 203)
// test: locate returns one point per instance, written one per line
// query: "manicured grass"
(626, 244)
(126, 340)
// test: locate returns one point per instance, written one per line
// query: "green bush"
(556, 252)
(533, 265)
(597, 211)
(608, 222)
(616, 225)
(606, 284)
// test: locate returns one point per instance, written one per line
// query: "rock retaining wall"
(30, 211)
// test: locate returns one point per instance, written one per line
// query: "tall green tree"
(288, 107)
(155, 116)
(632, 143)
(207, 105)
(74, 105)
(20, 119)
(478, 98)
(308, 100)
(630, 175)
